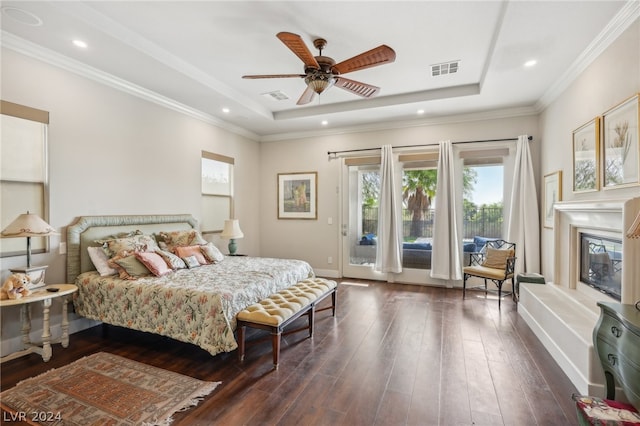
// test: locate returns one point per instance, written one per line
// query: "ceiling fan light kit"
(322, 72)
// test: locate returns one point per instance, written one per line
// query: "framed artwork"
(620, 160)
(298, 195)
(552, 194)
(586, 149)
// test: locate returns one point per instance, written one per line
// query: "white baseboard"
(14, 344)
(327, 273)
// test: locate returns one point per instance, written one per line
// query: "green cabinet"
(616, 338)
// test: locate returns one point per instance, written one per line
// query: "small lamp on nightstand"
(29, 225)
(232, 232)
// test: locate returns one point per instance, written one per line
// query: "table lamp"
(232, 232)
(29, 225)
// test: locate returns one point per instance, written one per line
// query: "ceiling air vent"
(276, 95)
(444, 68)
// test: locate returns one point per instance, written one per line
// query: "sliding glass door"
(361, 183)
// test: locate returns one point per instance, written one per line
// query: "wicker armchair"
(495, 262)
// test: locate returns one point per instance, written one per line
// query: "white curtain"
(523, 225)
(446, 258)
(388, 248)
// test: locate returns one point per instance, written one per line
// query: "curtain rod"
(530, 138)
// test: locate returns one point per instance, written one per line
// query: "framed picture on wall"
(298, 195)
(620, 160)
(552, 194)
(586, 148)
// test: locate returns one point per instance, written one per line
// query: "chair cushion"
(497, 259)
(484, 272)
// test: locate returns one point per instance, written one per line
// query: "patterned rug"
(103, 389)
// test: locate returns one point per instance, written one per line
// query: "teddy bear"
(15, 287)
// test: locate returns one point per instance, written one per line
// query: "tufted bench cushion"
(279, 307)
(278, 310)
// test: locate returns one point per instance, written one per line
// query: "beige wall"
(611, 78)
(315, 241)
(111, 153)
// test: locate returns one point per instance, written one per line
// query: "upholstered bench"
(279, 310)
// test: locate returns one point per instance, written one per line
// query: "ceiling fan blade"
(275, 76)
(297, 46)
(307, 96)
(361, 89)
(380, 55)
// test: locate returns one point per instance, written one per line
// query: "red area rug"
(104, 389)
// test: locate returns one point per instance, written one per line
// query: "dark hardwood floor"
(394, 355)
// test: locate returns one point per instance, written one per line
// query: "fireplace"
(584, 266)
(601, 263)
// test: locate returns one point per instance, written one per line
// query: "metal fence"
(485, 222)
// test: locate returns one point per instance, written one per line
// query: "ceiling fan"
(322, 72)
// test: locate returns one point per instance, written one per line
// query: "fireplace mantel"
(610, 218)
(564, 312)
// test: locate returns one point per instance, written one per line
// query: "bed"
(196, 305)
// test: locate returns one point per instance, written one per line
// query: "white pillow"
(211, 253)
(101, 261)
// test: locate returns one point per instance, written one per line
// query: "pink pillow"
(154, 262)
(186, 251)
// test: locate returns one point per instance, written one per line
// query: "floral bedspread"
(196, 305)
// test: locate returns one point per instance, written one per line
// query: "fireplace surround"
(564, 312)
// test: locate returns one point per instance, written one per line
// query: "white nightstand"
(41, 295)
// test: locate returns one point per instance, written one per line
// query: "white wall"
(613, 77)
(315, 241)
(111, 153)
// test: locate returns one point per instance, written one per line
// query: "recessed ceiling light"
(530, 63)
(226, 110)
(80, 43)
(22, 16)
(420, 112)
(325, 122)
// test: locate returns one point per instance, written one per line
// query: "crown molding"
(40, 53)
(623, 20)
(502, 113)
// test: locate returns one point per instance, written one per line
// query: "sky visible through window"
(488, 188)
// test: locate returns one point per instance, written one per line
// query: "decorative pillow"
(154, 262)
(211, 253)
(191, 251)
(101, 261)
(173, 261)
(170, 240)
(496, 258)
(129, 245)
(118, 235)
(191, 261)
(129, 268)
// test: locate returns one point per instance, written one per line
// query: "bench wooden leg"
(241, 331)
(334, 301)
(311, 319)
(275, 346)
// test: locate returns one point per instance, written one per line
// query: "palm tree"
(419, 190)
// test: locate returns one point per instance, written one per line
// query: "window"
(23, 171)
(483, 195)
(217, 191)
